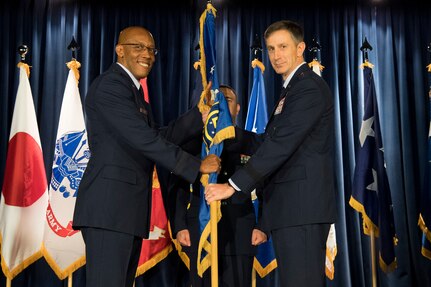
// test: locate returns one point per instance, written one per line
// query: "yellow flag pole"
(70, 280)
(373, 257)
(253, 277)
(8, 282)
(214, 244)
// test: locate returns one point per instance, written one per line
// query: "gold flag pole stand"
(373, 257)
(214, 244)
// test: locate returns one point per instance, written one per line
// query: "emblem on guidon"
(70, 160)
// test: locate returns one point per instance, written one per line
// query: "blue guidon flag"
(257, 117)
(217, 128)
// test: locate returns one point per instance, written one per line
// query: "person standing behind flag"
(114, 197)
(296, 162)
(236, 228)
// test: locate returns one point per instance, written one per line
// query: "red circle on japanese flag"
(25, 178)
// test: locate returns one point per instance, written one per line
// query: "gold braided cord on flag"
(206, 245)
(316, 63)
(366, 63)
(259, 64)
(196, 65)
(74, 65)
(179, 248)
(211, 8)
(202, 105)
(26, 67)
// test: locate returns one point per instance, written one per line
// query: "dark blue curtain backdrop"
(399, 33)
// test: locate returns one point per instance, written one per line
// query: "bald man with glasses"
(113, 204)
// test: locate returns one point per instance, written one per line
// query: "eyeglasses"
(141, 48)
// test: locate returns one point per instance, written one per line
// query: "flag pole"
(70, 280)
(256, 48)
(214, 244)
(373, 257)
(213, 227)
(365, 48)
(22, 50)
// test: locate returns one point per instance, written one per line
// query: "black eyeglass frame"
(141, 47)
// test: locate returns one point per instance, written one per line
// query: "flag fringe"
(264, 271)
(62, 274)
(426, 252)
(154, 260)
(226, 133)
(329, 263)
(10, 274)
(387, 268)
(368, 224)
(424, 228)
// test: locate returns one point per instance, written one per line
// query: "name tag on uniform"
(279, 107)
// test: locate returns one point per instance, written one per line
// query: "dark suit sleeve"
(302, 109)
(245, 142)
(185, 128)
(179, 191)
(117, 108)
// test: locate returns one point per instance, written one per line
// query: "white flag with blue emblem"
(64, 248)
